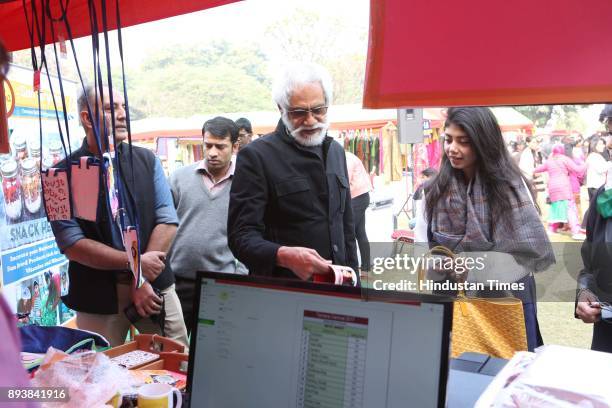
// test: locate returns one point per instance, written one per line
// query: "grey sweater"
(201, 239)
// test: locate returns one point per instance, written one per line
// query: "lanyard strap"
(37, 29)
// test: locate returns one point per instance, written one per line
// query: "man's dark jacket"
(93, 290)
(284, 195)
(597, 273)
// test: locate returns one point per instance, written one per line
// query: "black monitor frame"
(330, 290)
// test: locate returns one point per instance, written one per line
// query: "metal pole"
(4, 136)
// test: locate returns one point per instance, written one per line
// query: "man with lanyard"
(101, 283)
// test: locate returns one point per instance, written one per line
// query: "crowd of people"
(292, 203)
(569, 163)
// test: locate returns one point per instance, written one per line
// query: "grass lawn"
(558, 325)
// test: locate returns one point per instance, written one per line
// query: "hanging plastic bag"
(91, 379)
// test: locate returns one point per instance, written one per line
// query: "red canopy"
(14, 31)
(483, 52)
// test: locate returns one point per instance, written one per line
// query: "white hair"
(298, 74)
(315, 140)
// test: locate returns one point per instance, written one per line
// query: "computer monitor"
(262, 342)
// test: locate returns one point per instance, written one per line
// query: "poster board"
(33, 271)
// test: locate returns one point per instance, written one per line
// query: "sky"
(246, 22)
(243, 21)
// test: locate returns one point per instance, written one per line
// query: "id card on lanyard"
(129, 234)
(131, 244)
(113, 193)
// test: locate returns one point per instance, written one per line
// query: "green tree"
(568, 117)
(539, 114)
(305, 35)
(563, 116)
(181, 81)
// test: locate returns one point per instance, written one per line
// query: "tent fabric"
(341, 117)
(14, 31)
(483, 52)
(510, 119)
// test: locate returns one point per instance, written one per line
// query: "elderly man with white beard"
(290, 206)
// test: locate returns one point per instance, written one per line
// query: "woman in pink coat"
(563, 207)
(576, 153)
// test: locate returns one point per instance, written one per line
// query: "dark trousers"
(360, 205)
(185, 289)
(602, 337)
(592, 193)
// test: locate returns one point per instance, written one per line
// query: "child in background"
(36, 312)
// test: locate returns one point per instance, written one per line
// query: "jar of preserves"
(11, 189)
(5, 157)
(56, 151)
(35, 153)
(30, 185)
(20, 146)
(47, 163)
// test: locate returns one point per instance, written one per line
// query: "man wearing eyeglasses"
(290, 206)
(245, 132)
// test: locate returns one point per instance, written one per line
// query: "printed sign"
(57, 198)
(33, 271)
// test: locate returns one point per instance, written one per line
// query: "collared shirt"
(215, 186)
(67, 233)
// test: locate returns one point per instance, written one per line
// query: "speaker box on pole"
(410, 125)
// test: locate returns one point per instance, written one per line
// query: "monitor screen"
(261, 342)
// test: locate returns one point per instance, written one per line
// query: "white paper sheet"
(85, 188)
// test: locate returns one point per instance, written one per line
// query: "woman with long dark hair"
(480, 203)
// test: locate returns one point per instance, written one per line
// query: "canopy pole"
(4, 136)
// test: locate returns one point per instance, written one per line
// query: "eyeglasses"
(300, 114)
